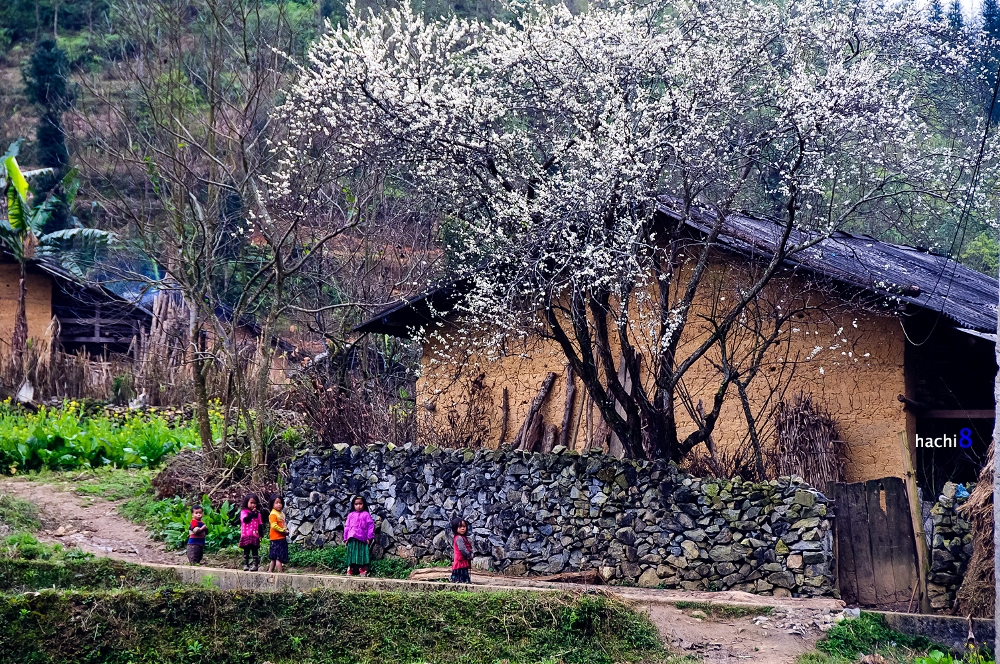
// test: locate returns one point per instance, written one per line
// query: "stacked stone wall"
(950, 535)
(636, 522)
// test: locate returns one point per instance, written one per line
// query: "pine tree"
(937, 11)
(46, 84)
(955, 19)
(991, 19)
(991, 46)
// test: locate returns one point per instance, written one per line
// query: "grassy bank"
(870, 635)
(18, 576)
(202, 625)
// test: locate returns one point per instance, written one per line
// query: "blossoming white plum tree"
(552, 145)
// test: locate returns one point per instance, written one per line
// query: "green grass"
(20, 519)
(24, 546)
(19, 515)
(94, 574)
(195, 624)
(67, 438)
(114, 483)
(866, 635)
(724, 610)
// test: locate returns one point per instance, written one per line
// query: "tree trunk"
(536, 405)
(200, 386)
(549, 439)
(567, 421)
(201, 409)
(533, 436)
(19, 340)
(504, 415)
(257, 442)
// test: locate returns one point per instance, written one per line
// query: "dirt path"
(776, 639)
(91, 525)
(792, 628)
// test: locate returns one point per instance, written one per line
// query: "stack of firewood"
(807, 442)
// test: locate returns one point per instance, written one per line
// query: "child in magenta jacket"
(359, 531)
(251, 523)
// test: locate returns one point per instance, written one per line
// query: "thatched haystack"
(807, 443)
(975, 597)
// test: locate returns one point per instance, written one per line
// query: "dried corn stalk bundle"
(807, 443)
(975, 596)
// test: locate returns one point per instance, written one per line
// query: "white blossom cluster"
(549, 141)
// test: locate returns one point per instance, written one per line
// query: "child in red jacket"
(461, 551)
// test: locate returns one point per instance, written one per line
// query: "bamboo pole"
(916, 516)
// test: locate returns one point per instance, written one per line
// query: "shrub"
(169, 520)
(867, 634)
(334, 559)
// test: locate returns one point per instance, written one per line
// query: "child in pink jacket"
(359, 531)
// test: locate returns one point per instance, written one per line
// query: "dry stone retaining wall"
(637, 522)
(950, 542)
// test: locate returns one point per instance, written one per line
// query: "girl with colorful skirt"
(359, 531)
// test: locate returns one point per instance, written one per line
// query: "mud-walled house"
(899, 353)
(92, 317)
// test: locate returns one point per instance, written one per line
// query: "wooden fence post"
(916, 515)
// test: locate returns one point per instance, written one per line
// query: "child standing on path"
(251, 523)
(461, 552)
(278, 551)
(196, 536)
(359, 531)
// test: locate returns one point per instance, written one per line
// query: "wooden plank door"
(876, 553)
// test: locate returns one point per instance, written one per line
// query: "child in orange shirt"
(278, 551)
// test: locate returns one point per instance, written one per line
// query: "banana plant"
(23, 238)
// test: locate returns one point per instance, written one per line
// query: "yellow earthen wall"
(856, 375)
(38, 303)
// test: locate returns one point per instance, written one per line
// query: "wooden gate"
(876, 553)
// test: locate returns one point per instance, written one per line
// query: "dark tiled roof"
(402, 318)
(935, 283)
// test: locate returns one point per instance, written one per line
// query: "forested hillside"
(93, 38)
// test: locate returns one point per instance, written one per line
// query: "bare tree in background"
(176, 149)
(179, 153)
